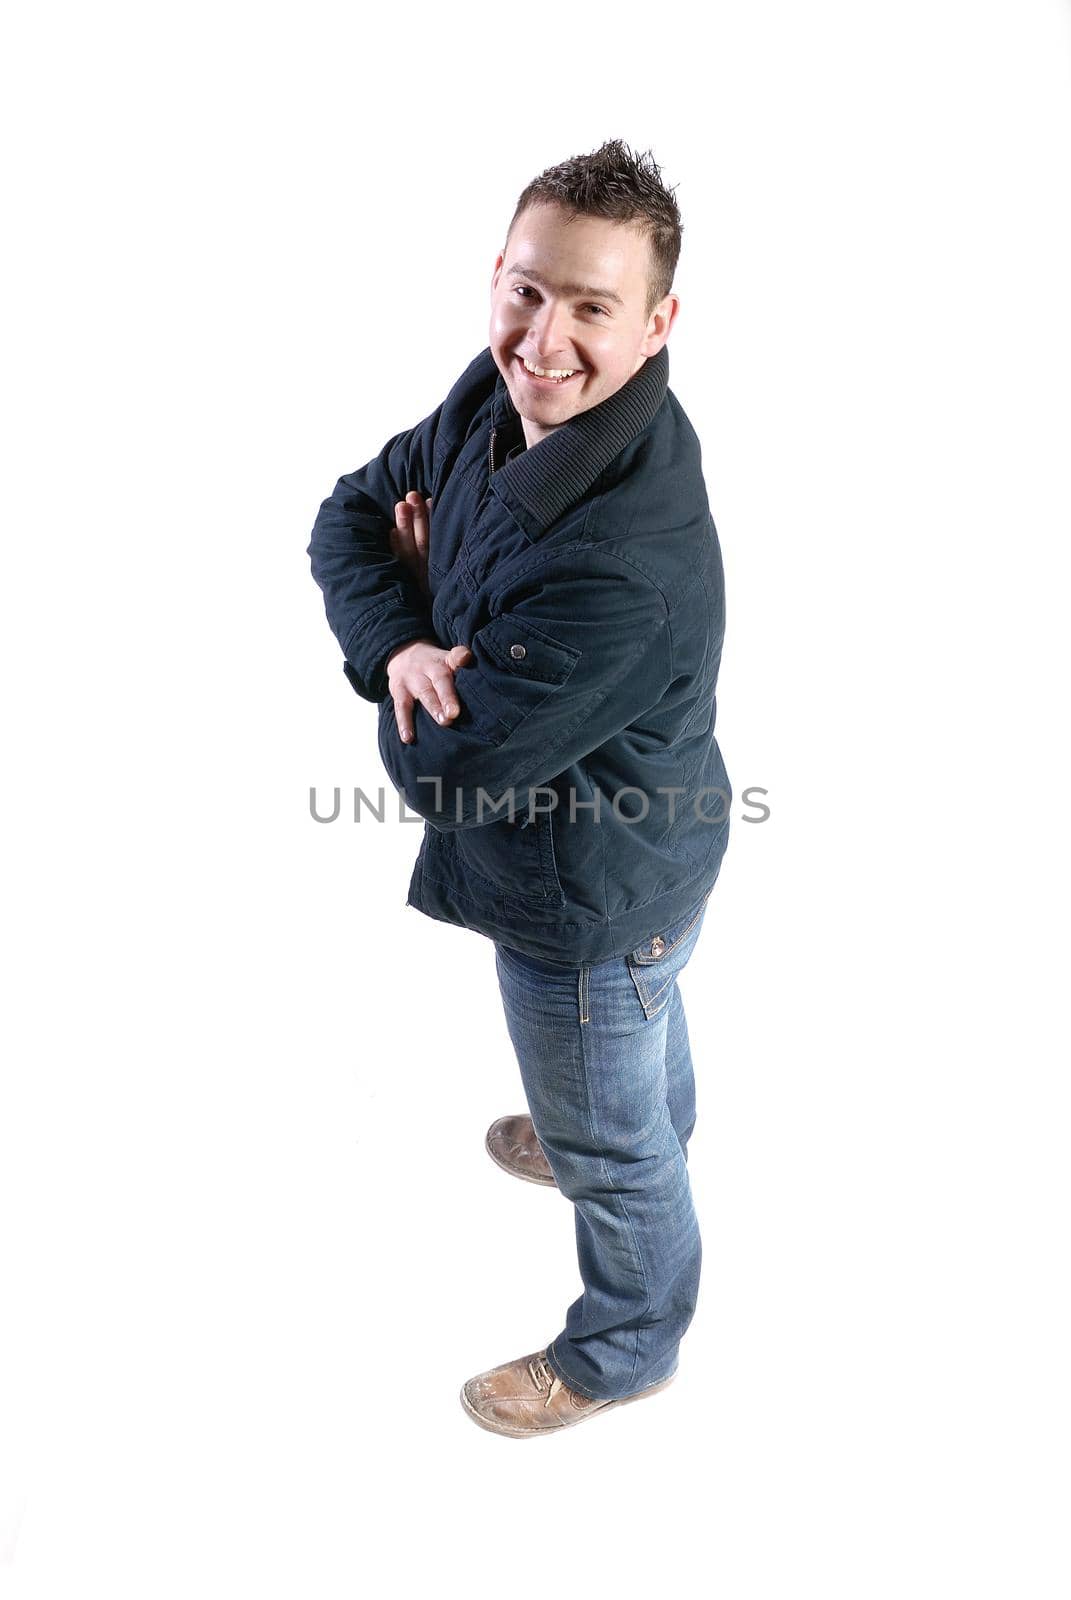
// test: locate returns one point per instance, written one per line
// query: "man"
(544, 655)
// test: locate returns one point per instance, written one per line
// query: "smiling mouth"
(538, 382)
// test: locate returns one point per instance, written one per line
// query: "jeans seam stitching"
(637, 1253)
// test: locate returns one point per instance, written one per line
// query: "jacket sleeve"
(373, 602)
(578, 650)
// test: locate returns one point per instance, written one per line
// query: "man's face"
(570, 293)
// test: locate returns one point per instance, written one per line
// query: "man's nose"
(551, 329)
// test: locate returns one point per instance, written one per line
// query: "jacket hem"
(547, 934)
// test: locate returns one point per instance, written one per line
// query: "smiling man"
(543, 645)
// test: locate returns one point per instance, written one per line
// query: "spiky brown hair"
(615, 183)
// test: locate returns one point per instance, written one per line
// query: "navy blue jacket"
(578, 805)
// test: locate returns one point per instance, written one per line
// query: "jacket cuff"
(367, 650)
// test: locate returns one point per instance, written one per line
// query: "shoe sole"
(514, 1172)
(536, 1433)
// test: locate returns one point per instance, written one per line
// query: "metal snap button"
(517, 651)
(658, 944)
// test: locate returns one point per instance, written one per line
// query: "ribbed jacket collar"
(546, 479)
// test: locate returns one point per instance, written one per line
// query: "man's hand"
(410, 536)
(420, 670)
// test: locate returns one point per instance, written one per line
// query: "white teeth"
(549, 372)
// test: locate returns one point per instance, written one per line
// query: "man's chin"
(548, 415)
(548, 404)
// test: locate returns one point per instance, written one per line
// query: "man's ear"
(659, 323)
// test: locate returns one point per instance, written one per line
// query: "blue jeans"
(606, 1067)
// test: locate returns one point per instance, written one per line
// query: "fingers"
(433, 688)
(423, 675)
(438, 701)
(418, 516)
(410, 537)
(403, 712)
(442, 692)
(402, 543)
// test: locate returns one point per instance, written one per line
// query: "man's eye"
(526, 289)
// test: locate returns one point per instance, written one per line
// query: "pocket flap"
(523, 651)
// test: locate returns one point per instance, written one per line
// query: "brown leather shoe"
(512, 1142)
(525, 1398)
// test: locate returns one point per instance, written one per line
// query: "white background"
(252, 1245)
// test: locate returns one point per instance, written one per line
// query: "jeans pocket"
(655, 965)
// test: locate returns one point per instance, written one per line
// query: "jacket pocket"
(515, 859)
(518, 668)
(655, 965)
